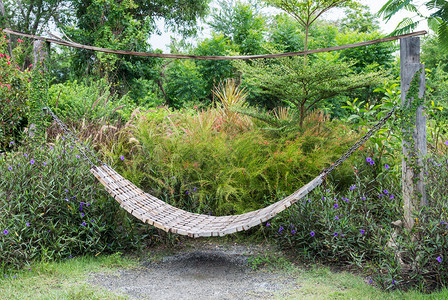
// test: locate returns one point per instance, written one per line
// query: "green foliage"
(52, 208)
(359, 19)
(214, 71)
(196, 163)
(184, 84)
(307, 12)
(243, 23)
(437, 19)
(303, 86)
(433, 54)
(14, 98)
(342, 227)
(369, 57)
(94, 101)
(384, 146)
(419, 256)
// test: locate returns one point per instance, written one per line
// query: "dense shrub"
(14, 93)
(195, 161)
(51, 207)
(355, 227)
(89, 101)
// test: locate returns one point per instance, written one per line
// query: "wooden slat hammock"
(160, 214)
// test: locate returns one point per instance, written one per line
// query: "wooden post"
(414, 128)
(40, 53)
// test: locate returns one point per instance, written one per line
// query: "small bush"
(51, 208)
(14, 93)
(77, 101)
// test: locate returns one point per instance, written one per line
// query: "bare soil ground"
(202, 271)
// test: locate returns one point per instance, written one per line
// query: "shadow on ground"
(203, 272)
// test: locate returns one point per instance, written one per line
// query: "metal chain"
(74, 139)
(361, 141)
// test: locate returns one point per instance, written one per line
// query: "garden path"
(204, 271)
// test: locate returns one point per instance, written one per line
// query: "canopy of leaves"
(241, 22)
(437, 19)
(303, 86)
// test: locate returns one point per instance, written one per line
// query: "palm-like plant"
(437, 19)
(232, 98)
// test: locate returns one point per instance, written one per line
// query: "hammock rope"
(160, 214)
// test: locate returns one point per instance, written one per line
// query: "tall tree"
(127, 25)
(243, 23)
(306, 12)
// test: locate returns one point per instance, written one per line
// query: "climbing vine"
(409, 118)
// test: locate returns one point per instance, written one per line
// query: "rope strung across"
(160, 214)
(59, 41)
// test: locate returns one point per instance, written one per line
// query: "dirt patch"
(205, 271)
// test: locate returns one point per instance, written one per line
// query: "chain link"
(74, 139)
(361, 141)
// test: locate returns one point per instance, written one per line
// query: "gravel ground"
(204, 271)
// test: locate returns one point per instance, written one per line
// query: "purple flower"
(362, 231)
(363, 198)
(10, 168)
(187, 192)
(368, 159)
(386, 166)
(337, 218)
(352, 187)
(82, 214)
(66, 190)
(27, 224)
(84, 224)
(391, 197)
(372, 163)
(77, 156)
(45, 163)
(293, 231)
(446, 143)
(11, 142)
(312, 233)
(66, 199)
(335, 205)
(5, 232)
(122, 157)
(280, 229)
(439, 259)
(442, 222)
(32, 161)
(51, 148)
(370, 281)
(335, 234)
(268, 224)
(24, 154)
(385, 192)
(393, 282)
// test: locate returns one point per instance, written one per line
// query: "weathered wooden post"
(414, 128)
(40, 54)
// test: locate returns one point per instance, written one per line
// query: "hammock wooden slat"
(160, 214)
